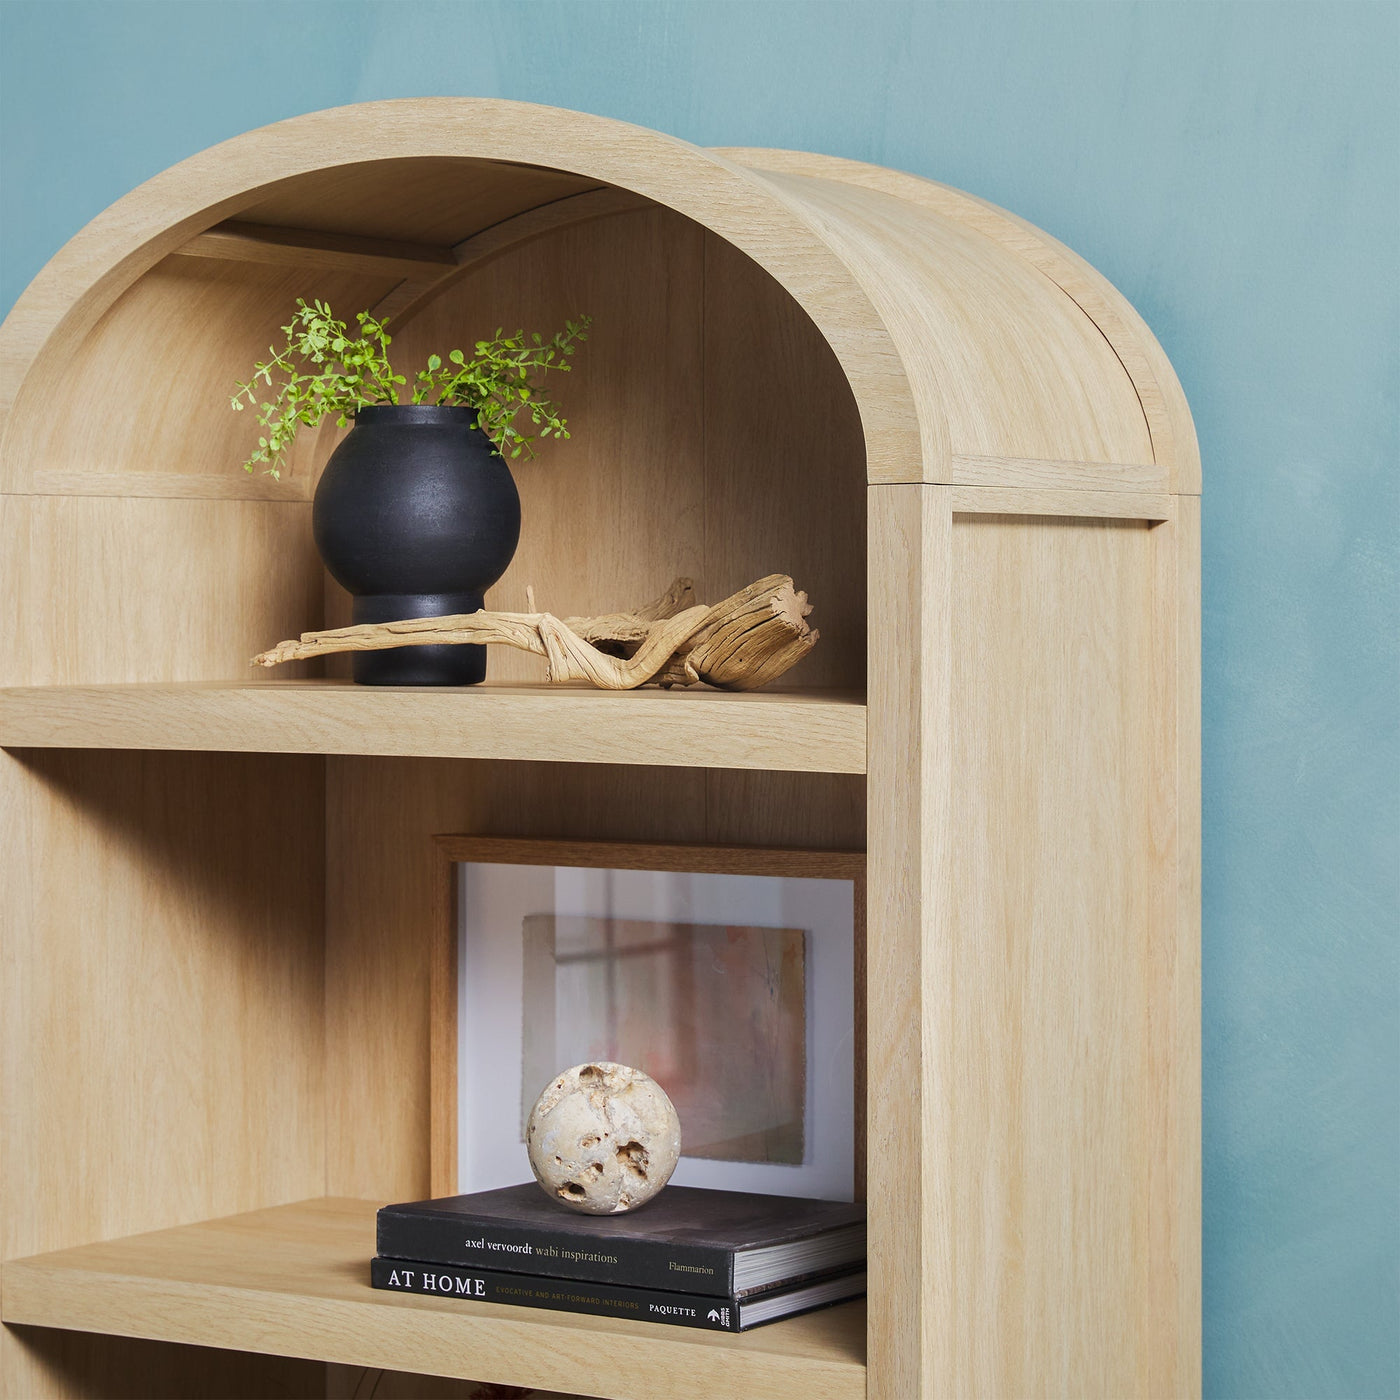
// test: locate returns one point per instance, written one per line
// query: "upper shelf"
(807, 731)
(294, 1281)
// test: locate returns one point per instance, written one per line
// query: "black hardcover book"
(613, 1300)
(724, 1244)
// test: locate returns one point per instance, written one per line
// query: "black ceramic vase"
(417, 516)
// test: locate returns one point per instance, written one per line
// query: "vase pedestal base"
(431, 665)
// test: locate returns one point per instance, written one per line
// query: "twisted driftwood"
(739, 644)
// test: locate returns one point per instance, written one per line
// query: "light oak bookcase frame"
(217, 898)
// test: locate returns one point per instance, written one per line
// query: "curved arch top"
(98, 264)
(1159, 392)
(976, 348)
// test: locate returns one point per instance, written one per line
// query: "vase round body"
(416, 515)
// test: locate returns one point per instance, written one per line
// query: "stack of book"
(722, 1260)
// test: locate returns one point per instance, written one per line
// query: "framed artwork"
(732, 976)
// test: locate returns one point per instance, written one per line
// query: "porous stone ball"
(603, 1138)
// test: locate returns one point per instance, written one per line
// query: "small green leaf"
(322, 370)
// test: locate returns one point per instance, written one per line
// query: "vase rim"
(415, 413)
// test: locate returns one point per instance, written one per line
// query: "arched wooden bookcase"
(217, 892)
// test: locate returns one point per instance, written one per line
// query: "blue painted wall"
(1235, 169)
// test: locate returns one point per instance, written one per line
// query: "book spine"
(626, 1263)
(562, 1295)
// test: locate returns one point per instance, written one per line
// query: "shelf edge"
(421, 1335)
(776, 733)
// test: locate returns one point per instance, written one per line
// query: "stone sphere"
(603, 1138)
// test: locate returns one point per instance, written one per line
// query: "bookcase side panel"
(908, 1187)
(1176, 1252)
(1063, 1055)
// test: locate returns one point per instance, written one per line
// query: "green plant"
(324, 369)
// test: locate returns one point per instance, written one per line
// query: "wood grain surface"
(229, 955)
(1033, 943)
(773, 730)
(1158, 390)
(294, 1280)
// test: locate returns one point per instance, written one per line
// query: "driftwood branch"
(744, 642)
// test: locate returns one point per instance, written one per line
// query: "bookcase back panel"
(58, 1364)
(714, 435)
(111, 589)
(164, 970)
(382, 920)
(142, 405)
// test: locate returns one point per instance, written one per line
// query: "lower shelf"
(294, 1281)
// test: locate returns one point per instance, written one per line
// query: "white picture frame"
(498, 884)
